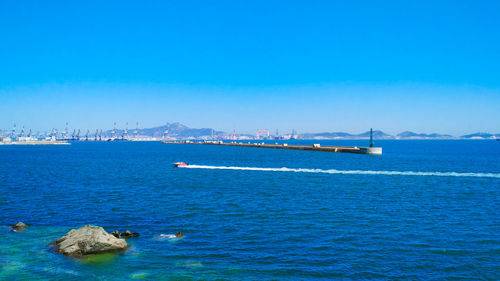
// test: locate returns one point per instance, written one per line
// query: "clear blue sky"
(425, 66)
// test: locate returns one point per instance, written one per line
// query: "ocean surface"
(424, 210)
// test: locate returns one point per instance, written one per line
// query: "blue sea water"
(424, 210)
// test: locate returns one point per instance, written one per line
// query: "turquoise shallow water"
(425, 210)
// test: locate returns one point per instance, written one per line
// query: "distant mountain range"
(177, 130)
(481, 136)
(343, 135)
(174, 130)
(412, 135)
(403, 135)
(180, 131)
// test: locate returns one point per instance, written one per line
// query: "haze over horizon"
(425, 67)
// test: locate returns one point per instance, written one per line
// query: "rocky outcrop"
(115, 233)
(19, 227)
(129, 234)
(126, 234)
(88, 240)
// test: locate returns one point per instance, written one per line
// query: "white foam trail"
(350, 172)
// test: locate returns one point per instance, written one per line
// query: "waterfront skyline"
(178, 131)
(325, 67)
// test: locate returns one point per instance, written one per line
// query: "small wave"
(168, 237)
(350, 172)
(189, 264)
(139, 275)
(60, 271)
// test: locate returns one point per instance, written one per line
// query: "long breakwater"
(314, 147)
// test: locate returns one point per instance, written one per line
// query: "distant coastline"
(177, 131)
(407, 135)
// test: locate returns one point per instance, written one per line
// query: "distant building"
(262, 134)
(26, 139)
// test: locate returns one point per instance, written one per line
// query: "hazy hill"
(412, 135)
(343, 135)
(176, 130)
(376, 134)
(481, 136)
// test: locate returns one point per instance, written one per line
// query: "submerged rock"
(19, 227)
(88, 240)
(128, 234)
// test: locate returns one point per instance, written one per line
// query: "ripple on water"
(189, 264)
(99, 259)
(139, 275)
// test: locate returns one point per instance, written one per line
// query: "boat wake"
(349, 172)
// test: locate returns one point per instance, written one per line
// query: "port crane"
(65, 132)
(136, 132)
(113, 133)
(125, 132)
